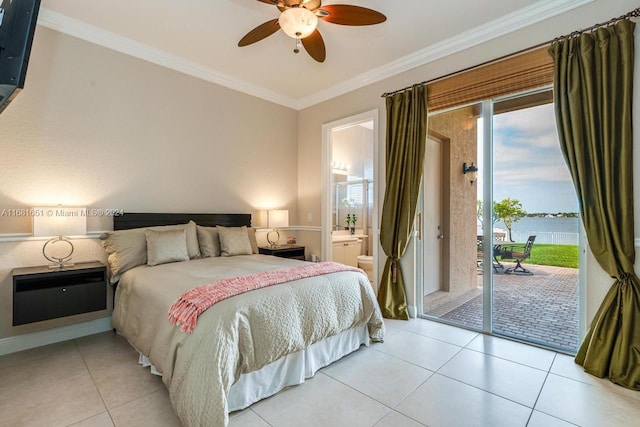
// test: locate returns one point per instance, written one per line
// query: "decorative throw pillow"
(166, 246)
(234, 241)
(192, 236)
(209, 241)
(126, 249)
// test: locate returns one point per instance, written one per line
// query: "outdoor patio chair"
(480, 257)
(518, 253)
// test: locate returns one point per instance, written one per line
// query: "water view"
(561, 231)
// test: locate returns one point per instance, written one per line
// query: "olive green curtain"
(593, 89)
(405, 147)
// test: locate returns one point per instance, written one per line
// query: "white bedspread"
(238, 335)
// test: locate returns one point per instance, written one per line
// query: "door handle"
(440, 236)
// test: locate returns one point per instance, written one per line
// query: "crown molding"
(539, 11)
(514, 21)
(75, 28)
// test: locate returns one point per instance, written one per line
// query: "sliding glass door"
(506, 240)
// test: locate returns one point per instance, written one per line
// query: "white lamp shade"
(298, 22)
(277, 218)
(58, 221)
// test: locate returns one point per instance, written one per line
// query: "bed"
(246, 347)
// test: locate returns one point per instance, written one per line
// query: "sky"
(528, 163)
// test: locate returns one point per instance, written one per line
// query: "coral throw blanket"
(191, 304)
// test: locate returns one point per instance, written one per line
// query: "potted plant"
(351, 220)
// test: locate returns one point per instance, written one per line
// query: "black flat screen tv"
(17, 25)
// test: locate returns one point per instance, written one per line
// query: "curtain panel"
(593, 85)
(405, 148)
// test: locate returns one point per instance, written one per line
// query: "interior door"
(433, 235)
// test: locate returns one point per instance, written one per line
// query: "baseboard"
(50, 336)
(413, 311)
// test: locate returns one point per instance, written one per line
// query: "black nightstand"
(286, 251)
(41, 293)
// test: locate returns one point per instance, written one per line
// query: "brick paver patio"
(542, 308)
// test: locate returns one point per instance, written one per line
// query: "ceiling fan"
(299, 19)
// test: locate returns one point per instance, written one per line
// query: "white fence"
(553, 237)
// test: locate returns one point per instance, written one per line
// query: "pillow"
(252, 239)
(192, 236)
(234, 241)
(126, 249)
(209, 241)
(166, 246)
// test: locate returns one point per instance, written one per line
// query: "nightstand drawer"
(39, 294)
(292, 252)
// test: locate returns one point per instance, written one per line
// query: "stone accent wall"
(460, 128)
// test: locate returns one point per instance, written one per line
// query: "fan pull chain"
(297, 49)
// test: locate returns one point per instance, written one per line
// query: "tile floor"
(424, 374)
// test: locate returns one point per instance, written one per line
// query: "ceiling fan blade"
(312, 5)
(262, 31)
(345, 14)
(314, 45)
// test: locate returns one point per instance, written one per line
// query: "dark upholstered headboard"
(137, 220)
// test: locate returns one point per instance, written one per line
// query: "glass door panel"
(535, 291)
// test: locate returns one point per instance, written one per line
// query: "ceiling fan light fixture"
(298, 22)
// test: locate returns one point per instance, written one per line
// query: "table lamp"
(58, 222)
(276, 218)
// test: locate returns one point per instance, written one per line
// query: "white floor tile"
(151, 410)
(46, 351)
(390, 330)
(442, 332)
(538, 419)
(510, 380)
(443, 402)
(100, 420)
(566, 366)
(400, 324)
(514, 351)
(380, 376)
(247, 418)
(62, 362)
(121, 379)
(59, 404)
(423, 351)
(396, 419)
(320, 401)
(587, 405)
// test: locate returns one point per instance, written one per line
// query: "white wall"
(97, 128)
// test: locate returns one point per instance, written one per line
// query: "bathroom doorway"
(350, 195)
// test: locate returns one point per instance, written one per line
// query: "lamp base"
(271, 241)
(61, 266)
(58, 262)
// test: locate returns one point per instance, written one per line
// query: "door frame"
(327, 129)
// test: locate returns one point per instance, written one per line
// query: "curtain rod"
(633, 14)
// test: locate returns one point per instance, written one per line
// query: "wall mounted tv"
(17, 26)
